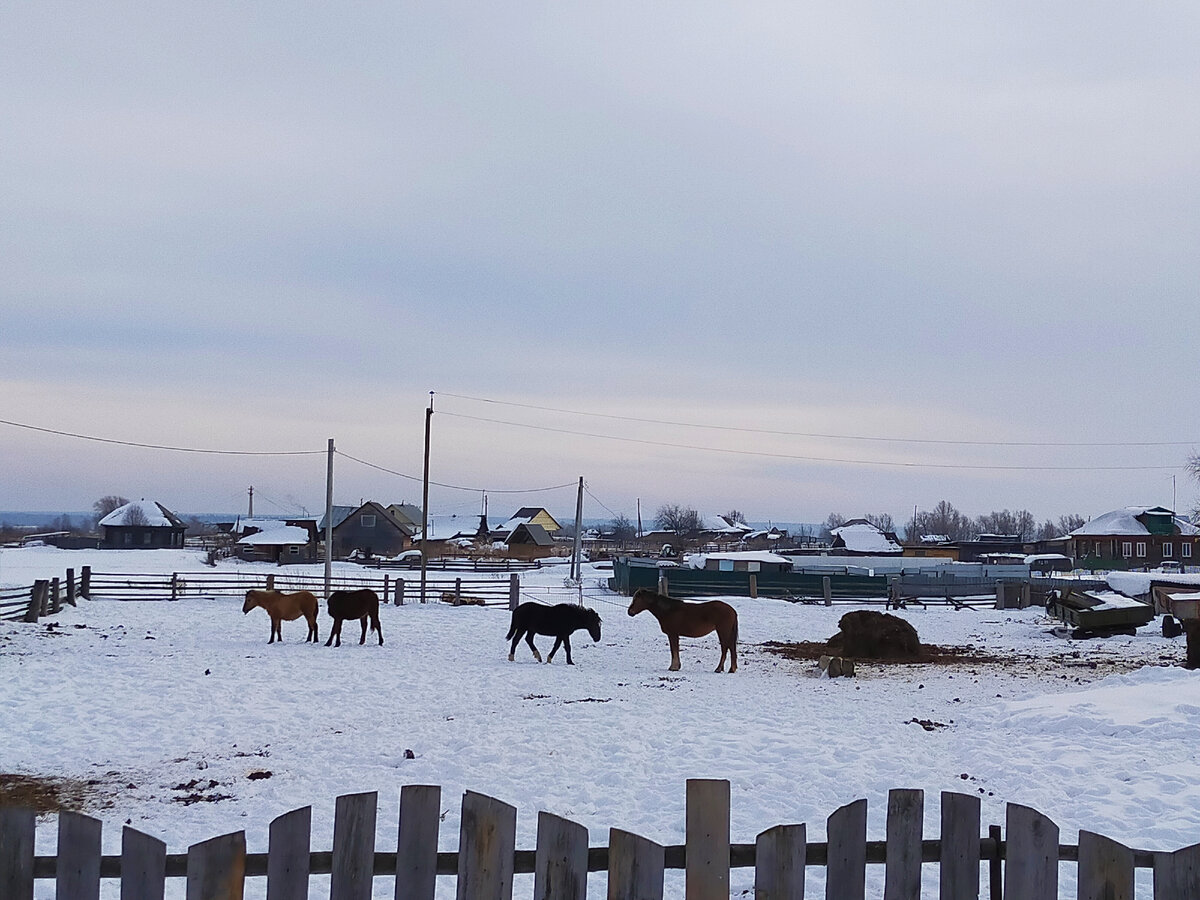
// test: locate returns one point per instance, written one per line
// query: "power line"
(588, 491)
(822, 459)
(456, 487)
(811, 434)
(102, 440)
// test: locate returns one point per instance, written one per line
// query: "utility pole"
(576, 568)
(425, 502)
(250, 511)
(329, 521)
(639, 509)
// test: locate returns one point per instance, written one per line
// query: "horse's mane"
(663, 599)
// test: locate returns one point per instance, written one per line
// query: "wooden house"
(527, 515)
(1135, 537)
(141, 525)
(858, 537)
(280, 543)
(529, 541)
(372, 531)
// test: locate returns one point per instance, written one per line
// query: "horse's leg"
(733, 652)
(275, 629)
(674, 639)
(529, 641)
(557, 643)
(567, 646)
(721, 665)
(512, 651)
(335, 631)
(363, 622)
(378, 627)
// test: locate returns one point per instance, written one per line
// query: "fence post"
(1031, 860)
(399, 591)
(663, 587)
(270, 582)
(35, 602)
(487, 839)
(55, 597)
(827, 590)
(635, 867)
(753, 586)
(779, 856)
(71, 586)
(846, 867)
(958, 878)
(561, 859)
(707, 825)
(216, 868)
(174, 585)
(514, 591)
(85, 583)
(77, 872)
(288, 854)
(45, 604)
(353, 847)
(458, 591)
(902, 874)
(417, 841)
(1105, 868)
(143, 866)
(386, 585)
(16, 852)
(1177, 875)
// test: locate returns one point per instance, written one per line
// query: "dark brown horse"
(280, 606)
(362, 604)
(677, 618)
(560, 620)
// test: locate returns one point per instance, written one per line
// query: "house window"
(1127, 549)
(1186, 550)
(1141, 549)
(146, 538)
(367, 521)
(294, 551)
(753, 566)
(1168, 551)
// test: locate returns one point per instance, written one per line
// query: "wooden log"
(417, 841)
(16, 852)
(216, 868)
(561, 859)
(486, 841)
(1031, 858)
(959, 874)
(905, 815)
(143, 866)
(288, 854)
(353, 847)
(1177, 875)
(779, 856)
(77, 874)
(707, 829)
(1105, 868)
(846, 869)
(635, 867)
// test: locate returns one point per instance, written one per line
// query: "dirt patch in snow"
(46, 794)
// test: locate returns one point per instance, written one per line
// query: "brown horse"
(362, 604)
(280, 606)
(677, 618)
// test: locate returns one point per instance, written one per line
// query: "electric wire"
(809, 434)
(805, 458)
(456, 487)
(588, 491)
(103, 440)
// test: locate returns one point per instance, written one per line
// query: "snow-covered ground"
(144, 697)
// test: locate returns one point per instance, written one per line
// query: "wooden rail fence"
(1022, 858)
(389, 587)
(45, 597)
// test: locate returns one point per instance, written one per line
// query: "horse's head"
(638, 602)
(251, 601)
(593, 624)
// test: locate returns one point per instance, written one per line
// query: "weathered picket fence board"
(216, 868)
(78, 875)
(417, 841)
(707, 828)
(1105, 868)
(560, 869)
(487, 839)
(846, 869)
(780, 855)
(1031, 867)
(353, 847)
(905, 815)
(288, 855)
(636, 867)
(959, 873)
(143, 866)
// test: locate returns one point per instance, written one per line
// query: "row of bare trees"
(944, 519)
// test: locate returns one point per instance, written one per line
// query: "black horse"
(559, 620)
(362, 604)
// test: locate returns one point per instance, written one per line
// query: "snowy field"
(144, 697)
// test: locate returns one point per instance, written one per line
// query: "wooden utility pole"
(328, 521)
(250, 511)
(425, 501)
(576, 567)
(639, 507)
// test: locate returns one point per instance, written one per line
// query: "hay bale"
(866, 634)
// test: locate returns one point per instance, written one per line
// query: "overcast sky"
(258, 226)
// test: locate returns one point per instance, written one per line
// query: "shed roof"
(151, 513)
(863, 537)
(277, 536)
(530, 534)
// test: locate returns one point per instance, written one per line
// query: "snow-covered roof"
(276, 535)
(1045, 557)
(446, 528)
(242, 525)
(865, 538)
(722, 525)
(750, 556)
(1125, 522)
(935, 539)
(152, 514)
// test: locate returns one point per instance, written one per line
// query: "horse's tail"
(513, 629)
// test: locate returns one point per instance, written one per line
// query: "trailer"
(1099, 613)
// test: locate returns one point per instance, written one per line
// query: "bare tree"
(735, 516)
(107, 504)
(1067, 524)
(1019, 523)
(135, 516)
(943, 519)
(678, 518)
(622, 529)
(832, 521)
(882, 521)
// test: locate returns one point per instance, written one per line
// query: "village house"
(858, 537)
(527, 515)
(1136, 537)
(142, 525)
(528, 542)
(293, 541)
(372, 531)
(450, 535)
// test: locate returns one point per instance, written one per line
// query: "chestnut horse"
(362, 604)
(677, 618)
(280, 606)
